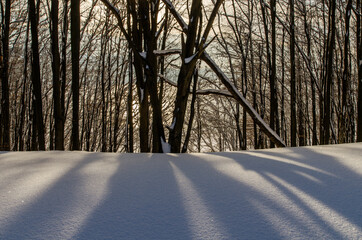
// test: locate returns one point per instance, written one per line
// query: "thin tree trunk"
(273, 81)
(359, 63)
(130, 106)
(4, 65)
(63, 67)
(75, 46)
(192, 112)
(58, 118)
(329, 72)
(293, 111)
(344, 130)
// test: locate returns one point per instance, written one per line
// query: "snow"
(189, 59)
(143, 55)
(166, 148)
(142, 94)
(167, 52)
(173, 124)
(289, 193)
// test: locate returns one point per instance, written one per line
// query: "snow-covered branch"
(176, 15)
(167, 52)
(274, 137)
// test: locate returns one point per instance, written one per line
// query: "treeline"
(152, 75)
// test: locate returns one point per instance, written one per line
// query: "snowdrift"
(290, 193)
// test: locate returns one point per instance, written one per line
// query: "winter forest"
(179, 76)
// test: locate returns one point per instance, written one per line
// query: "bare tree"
(4, 71)
(75, 45)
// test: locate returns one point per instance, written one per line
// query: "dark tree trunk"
(184, 78)
(149, 24)
(104, 42)
(359, 63)
(130, 107)
(4, 65)
(192, 112)
(58, 118)
(273, 82)
(75, 46)
(142, 88)
(293, 111)
(63, 67)
(344, 129)
(329, 72)
(38, 130)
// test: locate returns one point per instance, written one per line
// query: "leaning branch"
(239, 97)
(219, 92)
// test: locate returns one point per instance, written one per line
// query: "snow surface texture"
(291, 193)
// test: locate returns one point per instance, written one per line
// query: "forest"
(179, 76)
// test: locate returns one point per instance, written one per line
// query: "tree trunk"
(149, 25)
(129, 107)
(35, 75)
(273, 81)
(63, 67)
(359, 63)
(329, 72)
(4, 65)
(184, 78)
(192, 112)
(75, 46)
(293, 111)
(344, 129)
(58, 118)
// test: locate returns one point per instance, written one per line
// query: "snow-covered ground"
(291, 193)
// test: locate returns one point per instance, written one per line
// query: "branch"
(167, 52)
(305, 58)
(219, 92)
(117, 14)
(176, 15)
(240, 98)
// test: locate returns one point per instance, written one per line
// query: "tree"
(75, 46)
(328, 78)
(58, 117)
(293, 92)
(4, 71)
(38, 123)
(359, 63)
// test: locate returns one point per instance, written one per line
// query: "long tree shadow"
(142, 202)
(339, 177)
(296, 194)
(57, 196)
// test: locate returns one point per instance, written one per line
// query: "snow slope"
(291, 193)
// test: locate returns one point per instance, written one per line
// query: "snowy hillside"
(291, 193)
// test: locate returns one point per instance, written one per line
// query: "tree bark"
(293, 111)
(329, 72)
(58, 118)
(344, 129)
(39, 140)
(75, 46)
(4, 65)
(359, 63)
